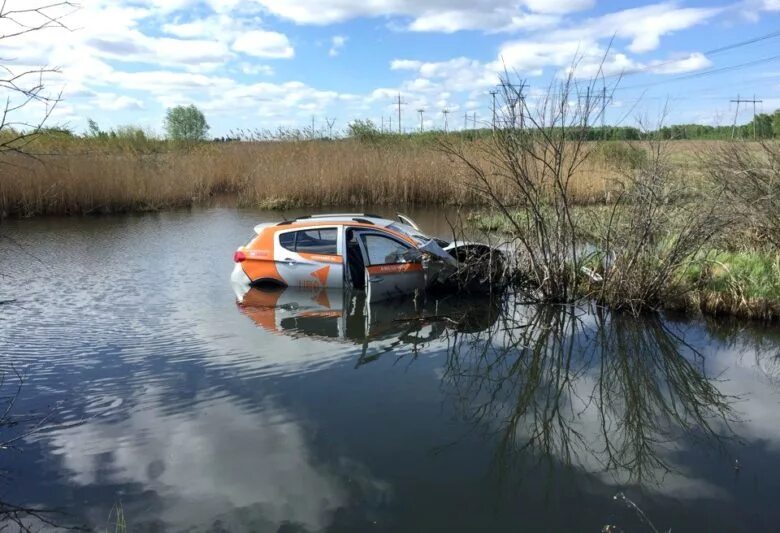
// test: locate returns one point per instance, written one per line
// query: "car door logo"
(321, 275)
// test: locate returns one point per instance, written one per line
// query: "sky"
(263, 64)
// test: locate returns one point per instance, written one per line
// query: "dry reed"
(84, 177)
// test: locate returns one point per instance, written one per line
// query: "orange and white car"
(385, 258)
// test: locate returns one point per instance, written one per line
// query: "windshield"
(417, 235)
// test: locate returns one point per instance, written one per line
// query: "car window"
(311, 241)
(384, 250)
(287, 240)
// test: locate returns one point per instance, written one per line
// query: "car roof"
(339, 219)
(336, 219)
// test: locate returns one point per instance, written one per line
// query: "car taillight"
(239, 257)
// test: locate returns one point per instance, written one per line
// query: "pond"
(140, 386)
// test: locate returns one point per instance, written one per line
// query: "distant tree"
(186, 123)
(365, 130)
(56, 131)
(776, 123)
(93, 130)
(763, 126)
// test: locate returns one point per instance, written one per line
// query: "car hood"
(433, 248)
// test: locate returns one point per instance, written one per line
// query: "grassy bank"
(72, 175)
(739, 275)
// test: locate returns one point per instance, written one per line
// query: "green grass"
(727, 280)
(752, 275)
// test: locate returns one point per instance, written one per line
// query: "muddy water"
(145, 387)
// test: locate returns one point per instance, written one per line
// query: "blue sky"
(257, 64)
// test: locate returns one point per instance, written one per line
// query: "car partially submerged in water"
(386, 258)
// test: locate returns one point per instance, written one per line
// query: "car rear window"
(311, 241)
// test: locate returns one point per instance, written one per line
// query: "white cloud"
(221, 27)
(154, 52)
(490, 21)
(692, 62)
(431, 15)
(254, 69)
(405, 64)
(336, 44)
(559, 6)
(114, 102)
(642, 26)
(582, 43)
(261, 43)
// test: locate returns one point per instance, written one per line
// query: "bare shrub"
(629, 254)
(749, 174)
(650, 234)
(536, 153)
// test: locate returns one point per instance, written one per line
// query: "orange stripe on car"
(261, 263)
(336, 259)
(401, 268)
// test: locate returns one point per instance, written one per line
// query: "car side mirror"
(412, 255)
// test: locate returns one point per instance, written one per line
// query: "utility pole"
(390, 127)
(465, 121)
(586, 110)
(516, 96)
(604, 110)
(754, 116)
(330, 122)
(474, 120)
(446, 112)
(738, 101)
(421, 111)
(399, 103)
(313, 135)
(736, 114)
(493, 93)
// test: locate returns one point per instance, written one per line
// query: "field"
(77, 176)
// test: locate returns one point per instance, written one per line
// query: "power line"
(712, 52)
(704, 73)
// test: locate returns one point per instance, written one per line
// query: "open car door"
(408, 221)
(393, 268)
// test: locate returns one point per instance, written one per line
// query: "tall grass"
(71, 175)
(743, 284)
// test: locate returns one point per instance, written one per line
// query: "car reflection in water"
(347, 316)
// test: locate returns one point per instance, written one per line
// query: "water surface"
(147, 387)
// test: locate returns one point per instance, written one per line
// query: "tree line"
(188, 123)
